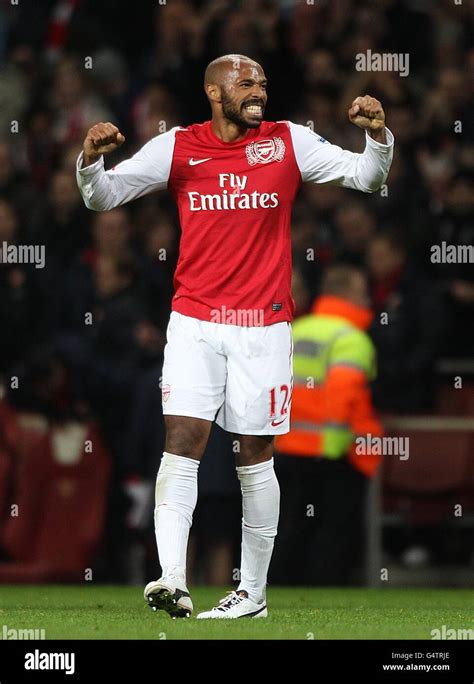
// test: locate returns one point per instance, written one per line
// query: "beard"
(236, 113)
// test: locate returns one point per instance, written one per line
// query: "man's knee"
(253, 449)
(186, 436)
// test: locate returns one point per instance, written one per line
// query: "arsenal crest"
(265, 151)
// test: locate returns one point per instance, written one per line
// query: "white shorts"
(242, 377)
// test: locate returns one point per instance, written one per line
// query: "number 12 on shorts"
(279, 399)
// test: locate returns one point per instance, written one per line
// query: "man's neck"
(228, 131)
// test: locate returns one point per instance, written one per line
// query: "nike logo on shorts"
(276, 424)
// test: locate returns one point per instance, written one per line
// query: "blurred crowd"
(85, 335)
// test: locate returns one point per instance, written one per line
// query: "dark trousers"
(320, 539)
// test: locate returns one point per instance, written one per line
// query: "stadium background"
(82, 339)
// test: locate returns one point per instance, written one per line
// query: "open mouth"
(253, 109)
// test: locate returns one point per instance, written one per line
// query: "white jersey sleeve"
(148, 170)
(321, 162)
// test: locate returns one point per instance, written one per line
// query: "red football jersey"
(234, 201)
(235, 214)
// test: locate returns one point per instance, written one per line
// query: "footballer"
(228, 355)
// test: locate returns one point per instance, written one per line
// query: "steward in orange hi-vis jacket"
(334, 360)
(324, 461)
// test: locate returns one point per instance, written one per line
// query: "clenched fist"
(101, 139)
(367, 113)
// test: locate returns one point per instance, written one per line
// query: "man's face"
(108, 280)
(383, 259)
(244, 94)
(359, 291)
(111, 231)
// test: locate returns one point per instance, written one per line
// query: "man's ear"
(213, 92)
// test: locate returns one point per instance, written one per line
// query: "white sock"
(175, 500)
(261, 508)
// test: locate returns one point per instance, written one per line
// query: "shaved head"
(236, 86)
(218, 70)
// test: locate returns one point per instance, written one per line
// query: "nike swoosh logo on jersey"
(195, 162)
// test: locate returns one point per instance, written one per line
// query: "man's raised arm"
(146, 171)
(321, 162)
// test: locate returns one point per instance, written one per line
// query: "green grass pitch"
(118, 612)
